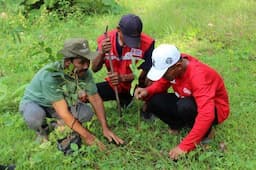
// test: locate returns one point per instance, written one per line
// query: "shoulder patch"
(136, 52)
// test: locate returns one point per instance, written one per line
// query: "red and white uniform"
(207, 88)
(121, 64)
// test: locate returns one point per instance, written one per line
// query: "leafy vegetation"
(134, 66)
(221, 33)
(64, 7)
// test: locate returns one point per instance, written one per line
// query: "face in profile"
(173, 72)
(81, 65)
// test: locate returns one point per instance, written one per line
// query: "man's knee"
(186, 105)
(33, 115)
(154, 100)
(83, 112)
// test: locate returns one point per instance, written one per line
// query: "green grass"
(221, 33)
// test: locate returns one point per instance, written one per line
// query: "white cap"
(163, 57)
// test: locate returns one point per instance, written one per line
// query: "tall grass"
(221, 33)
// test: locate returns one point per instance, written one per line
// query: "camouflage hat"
(77, 47)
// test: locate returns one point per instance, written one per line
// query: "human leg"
(107, 93)
(33, 114)
(187, 110)
(125, 99)
(164, 107)
(82, 112)
(35, 117)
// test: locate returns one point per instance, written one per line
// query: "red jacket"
(208, 89)
(121, 64)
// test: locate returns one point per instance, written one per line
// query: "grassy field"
(221, 33)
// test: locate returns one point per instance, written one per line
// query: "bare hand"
(91, 140)
(176, 152)
(82, 96)
(106, 45)
(114, 78)
(140, 93)
(111, 136)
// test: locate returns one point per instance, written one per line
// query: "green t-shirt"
(50, 84)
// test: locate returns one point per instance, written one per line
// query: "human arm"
(104, 46)
(116, 78)
(98, 107)
(160, 86)
(203, 93)
(61, 109)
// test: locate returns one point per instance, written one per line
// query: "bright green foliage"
(221, 33)
(65, 7)
(71, 86)
(135, 82)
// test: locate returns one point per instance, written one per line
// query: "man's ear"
(118, 28)
(179, 65)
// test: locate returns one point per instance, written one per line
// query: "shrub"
(65, 7)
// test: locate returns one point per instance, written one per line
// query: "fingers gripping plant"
(136, 74)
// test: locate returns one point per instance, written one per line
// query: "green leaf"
(48, 50)
(133, 85)
(65, 89)
(74, 96)
(136, 73)
(74, 146)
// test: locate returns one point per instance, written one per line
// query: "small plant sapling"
(136, 74)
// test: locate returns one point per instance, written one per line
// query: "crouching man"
(199, 100)
(51, 94)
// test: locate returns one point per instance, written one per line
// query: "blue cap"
(131, 28)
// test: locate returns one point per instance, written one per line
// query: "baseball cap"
(131, 27)
(77, 47)
(163, 57)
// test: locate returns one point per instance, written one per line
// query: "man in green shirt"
(60, 90)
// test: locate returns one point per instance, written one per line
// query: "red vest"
(121, 64)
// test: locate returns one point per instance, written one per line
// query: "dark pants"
(174, 111)
(107, 93)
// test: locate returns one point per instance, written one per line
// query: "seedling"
(136, 74)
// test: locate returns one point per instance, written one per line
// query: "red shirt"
(207, 88)
(121, 63)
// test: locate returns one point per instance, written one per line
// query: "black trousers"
(174, 111)
(107, 93)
